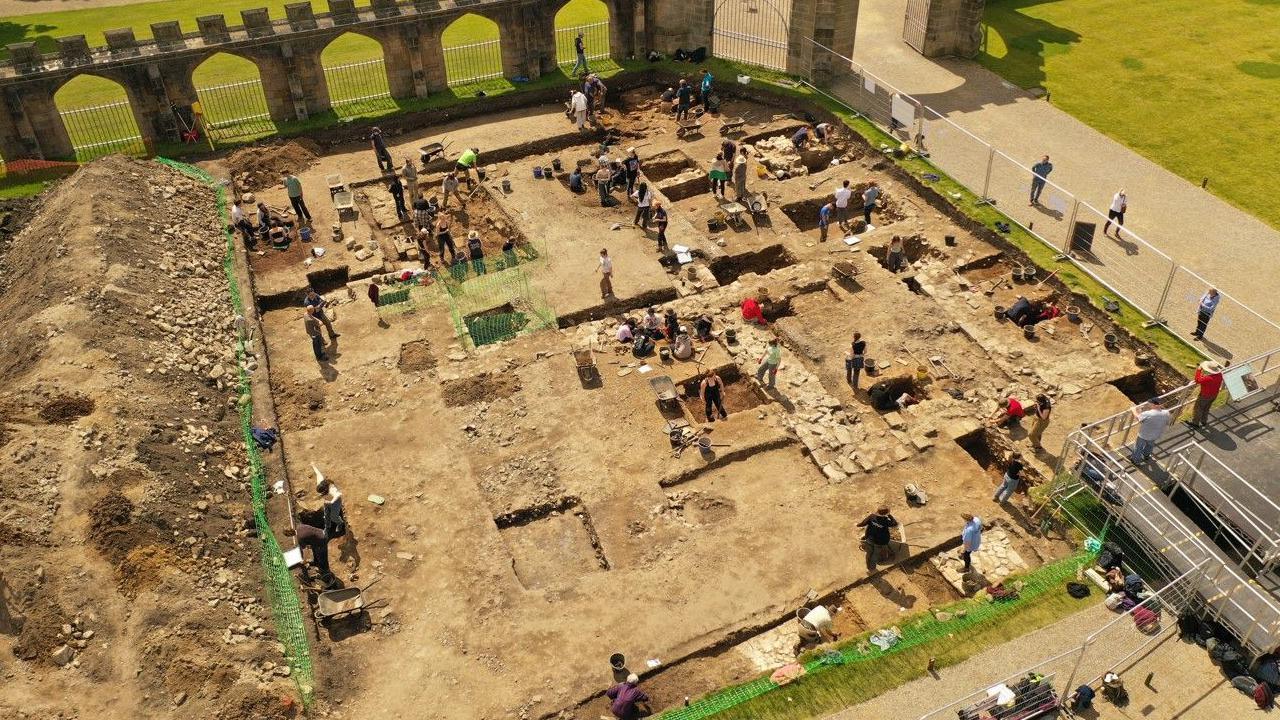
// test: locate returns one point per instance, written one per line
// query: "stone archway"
(591, 19)
(472, 50)
(356, 74)
(98, 118)
(755, 32)
(233, 103)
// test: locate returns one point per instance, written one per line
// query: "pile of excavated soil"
(121, 469)
(261, 166)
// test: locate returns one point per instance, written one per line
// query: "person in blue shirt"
(580, 49)
(801, 138)
(824, 220)
(1204, 312)
(706, 85)
(970, 539)
(1041, 170)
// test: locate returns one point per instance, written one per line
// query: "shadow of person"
(349, 550)
(1129, 247)
(1217, 349)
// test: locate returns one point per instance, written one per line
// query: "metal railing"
(755, 32)
(473, 62)
(103, 130)
(235, 110)
(358, 86)
(1162, 289)
(595, 40)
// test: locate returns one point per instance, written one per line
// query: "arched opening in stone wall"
(472, 51)
(98, 117)
(356, 73)
(233, 105)
(752, 31)
(588, 19)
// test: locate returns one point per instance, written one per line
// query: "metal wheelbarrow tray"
(333, 604)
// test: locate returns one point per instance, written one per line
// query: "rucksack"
(1263, 696)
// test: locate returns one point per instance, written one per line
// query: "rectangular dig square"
(552, 545)
(666, 165)
(740, 393)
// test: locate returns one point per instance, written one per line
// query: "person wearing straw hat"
(1209, 378)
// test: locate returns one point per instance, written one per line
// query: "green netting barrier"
(497, 306)
(919, 630)
(282, 594)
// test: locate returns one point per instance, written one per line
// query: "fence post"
(1071, 228)
(1156, 318)
(1084, 646)
(986, 182)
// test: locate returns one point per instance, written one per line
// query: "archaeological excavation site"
(686, 402)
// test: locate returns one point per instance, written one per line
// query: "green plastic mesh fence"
(282, 594)
(497, 306)
(959, 619)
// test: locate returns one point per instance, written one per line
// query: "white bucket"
(819, 619)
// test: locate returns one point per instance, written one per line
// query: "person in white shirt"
(843, 193)
(605, 268)
(241, 223)
(578, 103)
(1119, 203)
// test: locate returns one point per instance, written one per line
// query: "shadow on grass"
(1027, 41)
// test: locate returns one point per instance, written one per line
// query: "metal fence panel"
(358, 87)
(103, 130)
(956, 151)
(473, 62)
(1234, 329)
(595, 40)
(752, 31)
(235, 110)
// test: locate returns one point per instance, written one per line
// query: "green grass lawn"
(1190, 84)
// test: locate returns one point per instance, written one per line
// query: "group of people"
(838, 208)
(332, 524)
(588, 100)
(1011, 412)
(686, 94)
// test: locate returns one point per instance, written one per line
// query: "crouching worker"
(627, 700)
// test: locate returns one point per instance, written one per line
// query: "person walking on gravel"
(1119, 204)
(1204, 312)
(1041, 170)
(293, 186)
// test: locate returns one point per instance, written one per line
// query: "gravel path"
(1185, 684)
(1220, 242)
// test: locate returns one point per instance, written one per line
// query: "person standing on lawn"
(1119, 204)
(1041, 170)
(293, 186)
(1209, 378)
(1204, 312)
(580, 50)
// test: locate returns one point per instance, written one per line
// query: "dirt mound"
(65, 409)
(415, 356)
(128, 433)
(486, 386)
(260, 166)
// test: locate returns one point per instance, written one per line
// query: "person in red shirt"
(1209, 378)
(751, 310)
(1011, 414)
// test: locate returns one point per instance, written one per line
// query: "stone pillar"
(17, 137)
(835, 28)
(671, 24)
(937, 28)
(626, 21)
(432, 52)
(144, 85)
(523, 52)
(804, 16)
(402, 60)
(47, 130)
(292, 79)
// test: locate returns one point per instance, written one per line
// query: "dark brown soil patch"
(66, 409)
(486, 386)
(263, 166)
(298, 404)
(39, 635)
(415, 356)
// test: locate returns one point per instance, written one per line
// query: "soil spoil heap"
(130, 581)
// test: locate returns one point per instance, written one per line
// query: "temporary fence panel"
(752, 31)
(282, 593)
(358, 87)
(103, 130)
(956, 151)
(595, 41)
(235, 110)
(474, 62)
(1234, 329)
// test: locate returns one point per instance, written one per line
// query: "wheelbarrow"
(757, 203)
(431, 151)
(689, 126)
(337, 604)
(665, 390)
(588, 373)
(732, 125)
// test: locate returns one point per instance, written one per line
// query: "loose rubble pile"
(128, 548)
(261, 166)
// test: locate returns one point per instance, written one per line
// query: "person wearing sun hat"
(1209, 378)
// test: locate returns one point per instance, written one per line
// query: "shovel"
(816, 183)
